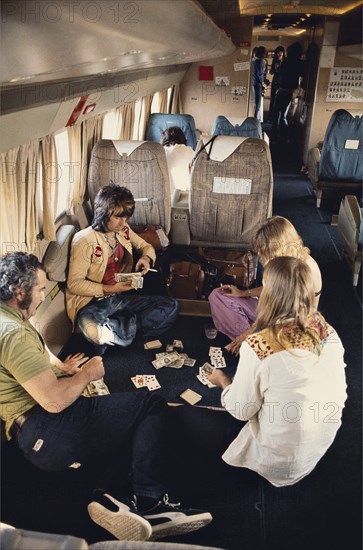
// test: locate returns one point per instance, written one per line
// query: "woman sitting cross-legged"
(234, 310)
(290, 380)
(109, 312)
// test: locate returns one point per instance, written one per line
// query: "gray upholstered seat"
(351, 233)
(141, 167)
(231, 194)
(23, 539)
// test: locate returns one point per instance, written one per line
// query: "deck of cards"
(148, 381)
(154, 344)
(190, 396)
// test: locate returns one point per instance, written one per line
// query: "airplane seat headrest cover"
(341, 155)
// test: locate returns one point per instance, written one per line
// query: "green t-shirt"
(22, 356)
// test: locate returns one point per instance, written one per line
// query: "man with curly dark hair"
(56, 427)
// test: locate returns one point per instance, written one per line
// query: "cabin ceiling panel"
(323, 7)
(52, 41)
(276, 17)
(23, 127)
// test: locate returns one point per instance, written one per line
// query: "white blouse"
(293, 401)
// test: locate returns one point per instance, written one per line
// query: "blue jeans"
(96, 426)
(257, 89)
(280, 110)
(123, 315)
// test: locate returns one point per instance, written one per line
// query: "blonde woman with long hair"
(290, 382)
(234, 310)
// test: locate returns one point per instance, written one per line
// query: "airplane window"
(138, 108)
(155, 105)
(109, 125)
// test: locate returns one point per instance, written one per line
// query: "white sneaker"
(170, 519)
(119, 518)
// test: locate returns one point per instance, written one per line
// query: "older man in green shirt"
(56, 427)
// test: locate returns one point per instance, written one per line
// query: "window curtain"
(75, 166)
(176, 103)
(163, 101)
(18, 186)
(127, 120)
(90, 133)
(145, 114)
(50, 181)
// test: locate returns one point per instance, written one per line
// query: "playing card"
(140, 381)
(218, 362)
(151, 382)
(133, 378)
(202, 379)
(206, 368)
(215, 352)
(154, 344)
(190, 396)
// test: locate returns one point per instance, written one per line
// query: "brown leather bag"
(234, 267)
(152, 234)
(185, 280)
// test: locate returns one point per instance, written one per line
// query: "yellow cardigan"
(88, 261)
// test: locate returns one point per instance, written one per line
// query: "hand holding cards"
(135, 279)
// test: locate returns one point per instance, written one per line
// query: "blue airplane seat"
(341, 160)
(158, 122)
(250, 127)
(339, 164)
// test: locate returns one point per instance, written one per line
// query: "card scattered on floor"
(190, 396)
(148, 381)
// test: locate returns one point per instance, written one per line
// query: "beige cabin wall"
(323, 109)
(204, 100)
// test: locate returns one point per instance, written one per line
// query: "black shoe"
(168, 519)
(119, 518)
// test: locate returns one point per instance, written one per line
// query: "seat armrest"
(353, 210)
(180, 199)
(313, 164)
(349, 220)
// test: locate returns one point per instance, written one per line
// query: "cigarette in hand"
(154, 270)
